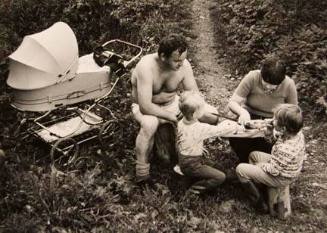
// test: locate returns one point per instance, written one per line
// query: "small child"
(284, 164)
(190, 136)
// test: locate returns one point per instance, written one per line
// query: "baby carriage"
(64, 93)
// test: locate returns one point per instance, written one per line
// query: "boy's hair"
(171, 43)
(191, 104)
(290, 117)
(273, 70)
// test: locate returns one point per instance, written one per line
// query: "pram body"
(46, 72)
(48, 78)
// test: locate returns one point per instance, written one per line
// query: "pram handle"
(126, 63)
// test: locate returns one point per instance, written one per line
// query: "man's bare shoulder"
(187, 63)
(186, 66)
(149, 59)
(145, 68)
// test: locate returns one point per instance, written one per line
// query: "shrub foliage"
(93, 21)
(294, 29)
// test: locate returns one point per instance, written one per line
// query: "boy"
(284, 164)
(190, 135)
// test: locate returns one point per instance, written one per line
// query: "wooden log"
(279, 201)
(2, 158)
(165, 144)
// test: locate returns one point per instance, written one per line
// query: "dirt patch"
(211, 75)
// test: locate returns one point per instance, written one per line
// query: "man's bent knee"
(149, 124)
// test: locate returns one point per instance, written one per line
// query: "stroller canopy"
(44, 58)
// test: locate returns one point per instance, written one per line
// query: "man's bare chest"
(167, 82)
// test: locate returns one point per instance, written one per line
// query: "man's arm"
(163, 97)
(144, 95)
(188, 82)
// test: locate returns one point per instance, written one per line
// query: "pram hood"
(44, 59)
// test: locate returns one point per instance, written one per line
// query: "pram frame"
(101, 125)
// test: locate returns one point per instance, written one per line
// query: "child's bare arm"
(228, 128)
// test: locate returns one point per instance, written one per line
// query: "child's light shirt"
(286, 157)
(190, 135)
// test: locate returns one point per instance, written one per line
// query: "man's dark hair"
(273, 70)
(171, 43)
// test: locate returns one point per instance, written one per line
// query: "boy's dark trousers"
(207, 177)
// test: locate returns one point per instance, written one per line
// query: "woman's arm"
(243, 114)
(240, 95)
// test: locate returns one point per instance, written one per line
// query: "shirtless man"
(155, 81)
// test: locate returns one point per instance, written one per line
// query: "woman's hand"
(244, 117)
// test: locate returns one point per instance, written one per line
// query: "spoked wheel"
(64, 152)
(109, 134)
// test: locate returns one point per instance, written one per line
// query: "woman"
(259, 92)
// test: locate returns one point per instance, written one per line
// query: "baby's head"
(288, 118)
(191, 104)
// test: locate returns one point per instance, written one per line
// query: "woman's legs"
(244, 146)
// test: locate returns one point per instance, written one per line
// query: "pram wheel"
(108, 134)
(64, 151)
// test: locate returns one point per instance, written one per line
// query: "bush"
(93, 21)
(142, 22)
(294, 30)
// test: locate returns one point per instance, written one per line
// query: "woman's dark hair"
(273, 70)
(171, 43)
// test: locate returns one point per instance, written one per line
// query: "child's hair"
(290, 117)
(191, 104)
